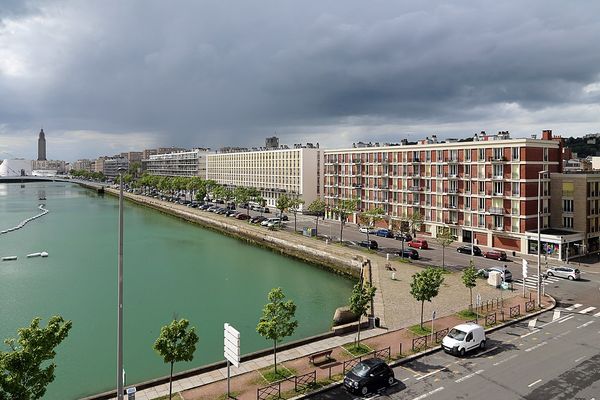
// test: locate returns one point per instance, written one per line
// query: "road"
(558, 359)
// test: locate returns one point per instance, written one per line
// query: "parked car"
(564, 272)
(409, 253)
(419, 244)
(369, 244)
(285, 218)
(369, 376)
(405, 237)
(367, 229)
(466, 249)
(257, 220)
(242, 216)
(496, 255)
(505, 273)
(229, 213)
(268, 221)
(464, 338)
(384, 233)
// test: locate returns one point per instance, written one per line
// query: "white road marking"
(557, 320)
(505, 360)
(597, 315)
(587, 310)
(530, 333)
(537, 346)
(464, 378)
(566, 319)
(487, 351)
(556, 315)
(431, 373)
(429, 393)
(586, 324)
(579, 359)
(531, 323)
(533, 383)
(574, 306)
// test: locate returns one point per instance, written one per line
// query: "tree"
(294, 207)
(277, 321)
(445, 239)
(370, 217)
(415, 222)
(343, 209)
(360, 300)
(176, 343)
(134, 168)
(22, 375)
(282, 204)
(241, 195)
(317, 207)
(426, 285)
(469, 278)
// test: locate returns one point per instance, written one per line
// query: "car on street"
(242, 216)
(419, 244)
(257, 220)
(409, 253)
(405, 237)
(384, 233)
(271, 222)
(466, 249)
(369, 244)
(496, 255)
(367, 229)
(368, 376)
(504, 273)
(464, 338)
(565, 271)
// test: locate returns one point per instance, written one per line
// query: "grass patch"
(357, 350)
(417, 330)
(467, 314)
(270, 376)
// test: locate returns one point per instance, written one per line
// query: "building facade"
(41, 146)
(296, 172)
(484, 190)
(111, 166)
(49, 165)
(83, 165)
(184, 163)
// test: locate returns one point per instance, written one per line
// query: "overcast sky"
(107, 76)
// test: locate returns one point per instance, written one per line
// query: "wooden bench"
(324, 353)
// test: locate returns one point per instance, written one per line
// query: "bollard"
(387, 256)
(393, 276)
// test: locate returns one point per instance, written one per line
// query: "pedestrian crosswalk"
(577, 308)
(531, 281)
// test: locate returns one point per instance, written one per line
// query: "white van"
(271, 222)
(463, 338)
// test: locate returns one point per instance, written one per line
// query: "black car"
(405, 237)
(369, 376)
(257, 220)
(369, 244)
(409, 253)
(466, 249)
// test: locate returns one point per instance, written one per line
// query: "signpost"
(524, 275)
(231, 350)
(432, 319)
(477, 305)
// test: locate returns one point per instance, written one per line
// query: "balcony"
(496, 210)
(357, 161)
(416, 161)
(498, 177)
(466, 176)
(452, 161)
(357, 185)
(451, 222)
(498, 194)
(514, 211)
(497, 159)
(414, 188)
(453, 190)
(499, 228)
(416, 203)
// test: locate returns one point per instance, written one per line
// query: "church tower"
(42, 147)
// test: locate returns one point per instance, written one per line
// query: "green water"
(171, 268)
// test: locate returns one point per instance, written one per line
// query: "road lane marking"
(579, 359)
(412, 371)
(533, 383)
(464, 378)
(597, 315)
(505, 360)
(424, 395)
(431, 373)
(537, 346)
(531, 323)
(566, 319)
(530, 333)
(587, 310)
(586, 324)
(556, 315)
(574, 306)
(487, 351)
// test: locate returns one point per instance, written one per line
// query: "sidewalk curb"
(435, 349)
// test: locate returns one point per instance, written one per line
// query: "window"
(453, 170)
(416, 156)
(481, 154)
(515, 188)
(428, 155)
(514, 225)
(467, 203)
(439, 156)
(545, 154)
(481, 204)
(481, 220)
(467, 171)
(568, 222)
(481, 187)
(468, 155)
(498, 222)
(498, 170)
(498, 154)
(567, 205)
(498, 187)
(454, 155)
(515, 153)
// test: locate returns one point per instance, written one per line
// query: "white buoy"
(34, 255)
(9, 258)
(44, 254)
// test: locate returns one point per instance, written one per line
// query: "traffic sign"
(524, 270)
(478, 299)
(231, 348)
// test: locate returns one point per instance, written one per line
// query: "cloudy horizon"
(107, 77)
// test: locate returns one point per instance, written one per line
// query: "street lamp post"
(120, 378)
(539, 244)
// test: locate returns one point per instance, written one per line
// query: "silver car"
(504, 273)
(565, 271)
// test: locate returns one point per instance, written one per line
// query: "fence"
(529, 306)
(385, 353)
(515, 311)
(419, 343)
(490, 319)
(301, 383)
(439, 335)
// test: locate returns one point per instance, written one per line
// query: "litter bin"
(131, 393)
(377, 322)
(514, 253)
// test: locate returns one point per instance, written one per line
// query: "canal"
(172, 269)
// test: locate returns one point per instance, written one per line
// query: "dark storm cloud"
(232, 72)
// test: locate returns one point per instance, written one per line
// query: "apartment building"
(83, 164)
(111, 166)
(181, 163)
(576, 210)
(294, 171)
(483, 189)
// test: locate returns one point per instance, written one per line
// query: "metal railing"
(439, 335)
(490, 319)
(301, 383)
(419, 342)
(515, 311)
(529, 306)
